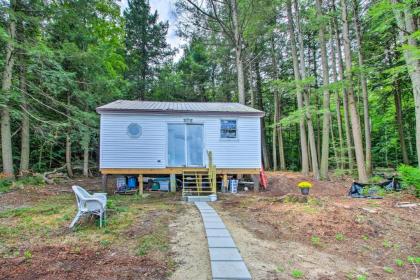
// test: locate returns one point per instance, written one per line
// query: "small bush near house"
(410, 177)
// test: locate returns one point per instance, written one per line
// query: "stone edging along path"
(226, 261)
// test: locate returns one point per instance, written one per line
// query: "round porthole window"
(134, 130)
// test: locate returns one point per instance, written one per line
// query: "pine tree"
(146, 46)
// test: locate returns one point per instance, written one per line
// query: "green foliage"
(361, 277)
(31, 180)
(27, 255)
(388, 269)
(387, 244)
(150, 243)
(339, 237)
(315, 240)
(399, 262)
(413, 260)
(410, 177)
(5, 185)
(146, 46)
(296, 273)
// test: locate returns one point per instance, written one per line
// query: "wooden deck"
(172, 171)
(178, 170)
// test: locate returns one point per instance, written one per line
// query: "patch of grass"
(399, 262)
(361, 277)
(151, 242)
(339, 237)
(388, 269)
(413, 260)
(296, 273)
(27, 255)
(387, 244)
(30, 180)
(280, 269)
(315, 240)
(365, 237)
(105, 242)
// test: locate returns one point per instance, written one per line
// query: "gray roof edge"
(100, 110)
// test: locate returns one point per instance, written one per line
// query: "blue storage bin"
(132, 182)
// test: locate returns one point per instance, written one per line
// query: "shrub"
(5, 185)
(410, 177)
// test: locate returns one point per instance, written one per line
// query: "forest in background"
(339, 80)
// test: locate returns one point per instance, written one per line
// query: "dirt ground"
(280, 234)
(189, 246)
(35, 242)
(330, 236)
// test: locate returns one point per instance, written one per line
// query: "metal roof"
(136, 106)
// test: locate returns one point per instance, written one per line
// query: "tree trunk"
(25, 133)
(407, 27)
(337, 107)
(251, 91)
(400, 125)
(85, 144)
(303, 141)
(365, 97)
(238, 52)
(311, 133)
(6, 136)
(258, 83)
(68, 141)
(337, 164)
(280, 137)
(354, 116)
(317, 123)
(311, 137)
(326, 97)
(277, 129)
(349, 142)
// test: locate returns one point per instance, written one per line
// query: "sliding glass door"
(185, 145)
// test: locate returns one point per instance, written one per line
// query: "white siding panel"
(118, 150)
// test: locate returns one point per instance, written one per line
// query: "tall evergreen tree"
(146, 46)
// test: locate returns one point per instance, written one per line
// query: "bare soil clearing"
(331, 236)
(325, 236)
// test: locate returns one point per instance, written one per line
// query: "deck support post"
(172, 178)
(140, 179)
(225, 183)
(104, 182)
(256, 180)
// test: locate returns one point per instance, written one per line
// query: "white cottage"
(148, 137)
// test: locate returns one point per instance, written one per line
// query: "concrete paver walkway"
(226, 261)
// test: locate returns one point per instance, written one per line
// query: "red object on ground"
(263, 179)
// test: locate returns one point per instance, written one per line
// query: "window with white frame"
(228, 129)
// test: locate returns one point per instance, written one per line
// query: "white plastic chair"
(87, 203)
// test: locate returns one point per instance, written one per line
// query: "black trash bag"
(391, 184)
(356, 190)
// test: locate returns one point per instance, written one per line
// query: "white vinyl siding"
(118, 150)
